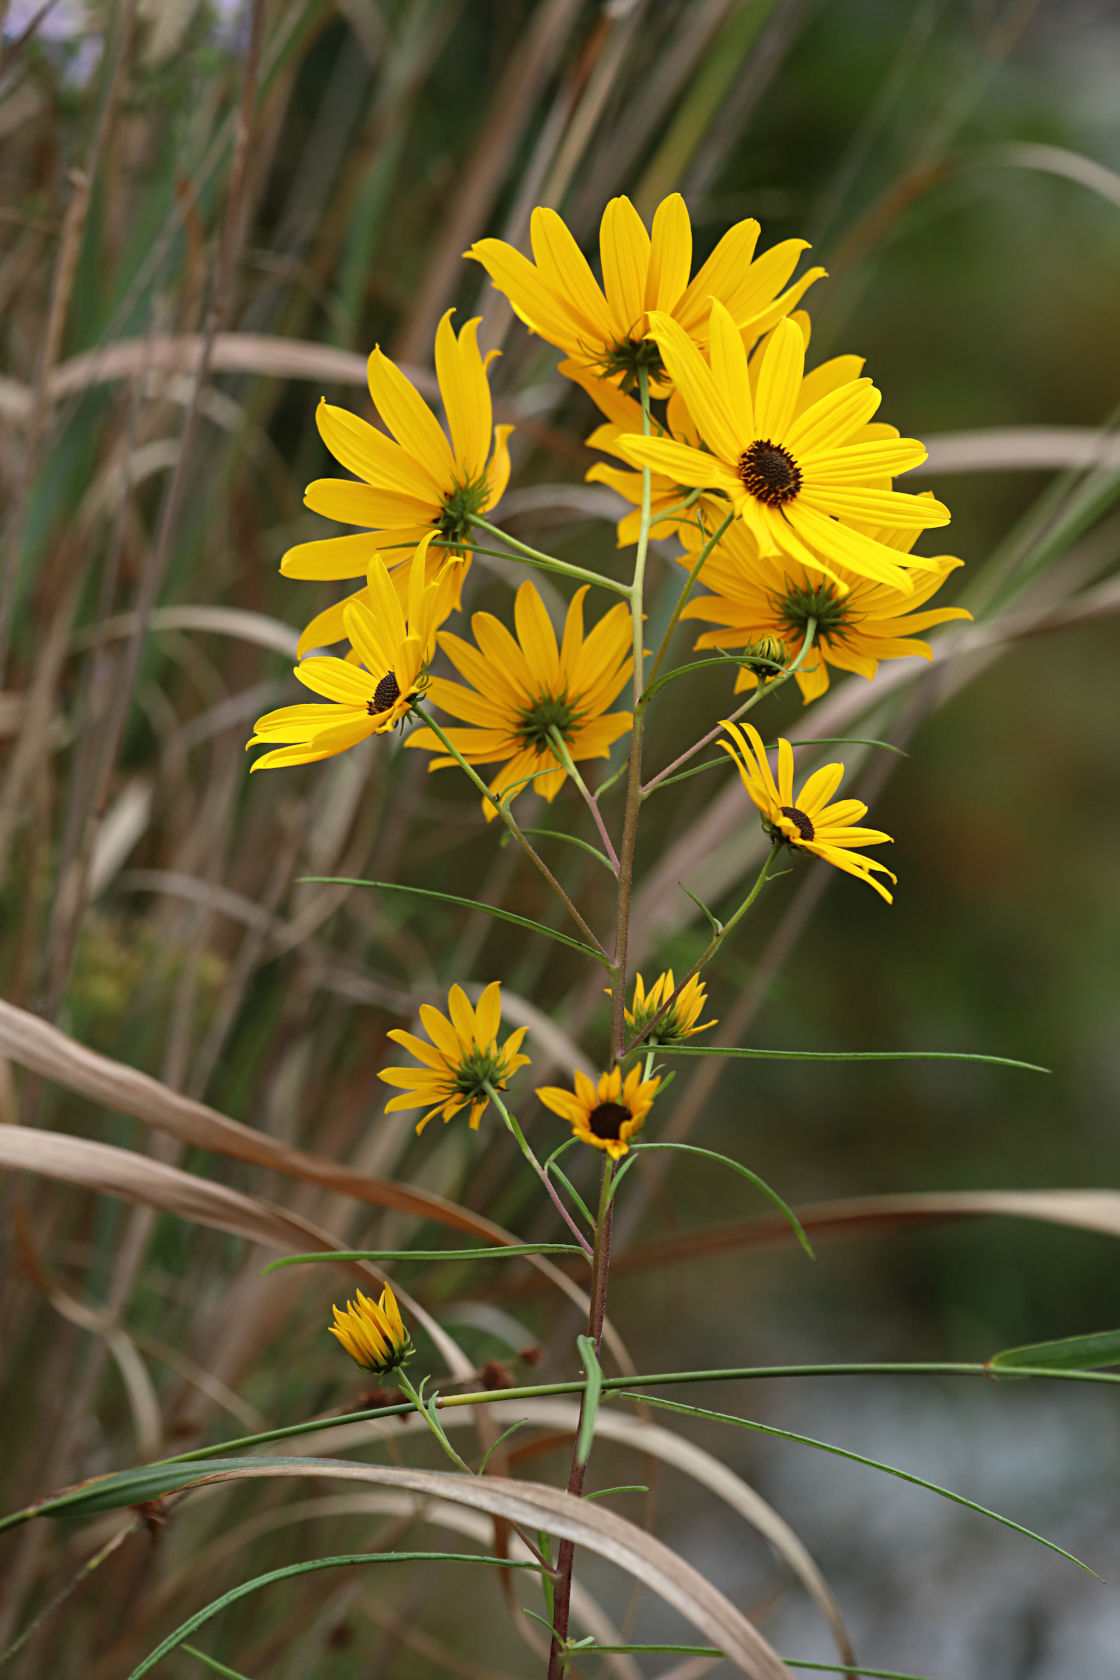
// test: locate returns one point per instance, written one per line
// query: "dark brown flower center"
(769, 473)
(386, 694)
(607, 1120)
(802, 823)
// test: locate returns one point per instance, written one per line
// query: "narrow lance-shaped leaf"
(1072, 1353)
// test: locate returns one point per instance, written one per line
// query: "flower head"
(679, 1022)
(414, 486)
(365, 699)
(807, 820)
(604, 331)
(858, 622)
(806, 481)
(462, 1060)
(373, 1332)
(605, 1115)
(525, 689)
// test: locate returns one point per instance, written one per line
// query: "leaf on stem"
(462, 904)
(1071, 1353)
(744, 1172)
(593, 1388)
(513, 1252)
(847, 1055)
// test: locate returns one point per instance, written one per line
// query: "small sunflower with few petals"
(806, 481)
(366, 699)
(412, 487)
(605, 1115)
(463, 1062)
(373, 1332)
(605, 330)
(526, 692)
(678, 1022)
(806, 821)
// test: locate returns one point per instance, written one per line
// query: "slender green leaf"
(625, 1487)
(846, 1055)
(744, 1172)
(344, 1561)
(504, 1436)
(855, 1458)
(572, 840)
(213, 1664)
(592, 1389)
(1072, 1353)
(683, 775)
(848, 741)
(713, 921)
(463, 904)
(496, 1251)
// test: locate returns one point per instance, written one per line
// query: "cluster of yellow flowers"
(778, 482)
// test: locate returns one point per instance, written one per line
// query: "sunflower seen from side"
(807, 821)
(804, 483)
(680, 1021)
(462, 1063)
(604, 330)
(414, 488)
(363, 699)
(373, 1332)
(526, 691)
(605, 1115)
(857, 622)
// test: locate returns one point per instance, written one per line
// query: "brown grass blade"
(1085, 1210)
(535, 1506)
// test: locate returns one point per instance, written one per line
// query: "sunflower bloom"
(604, 330)
(373, 1332)
(366, 699)
(605, 1115)
(412, 487)
(462, 1060)
(804, 484)
(858, 622)
(679, 1022)
(524, 688)
(807, 821)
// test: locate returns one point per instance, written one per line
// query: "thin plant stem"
(526, 1149)
(748, 705)
(710, 949)
(507, 817)
(634, 777)
(547, 562)
(560, 748)
(565, 1556)
(682, 598)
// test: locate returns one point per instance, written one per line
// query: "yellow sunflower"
(798, 481)
(373, 1332)
(807, 821)
(413, 486)
(858, 622)
(523, 688)
(605, 1115)
(604, 331)
(679, 1022)
(366, 699)
(462, 1059)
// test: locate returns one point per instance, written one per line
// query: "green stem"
(682, 598)
(748, 705)
(507, 817)
(546, 562)
(560, 748)
(527, 1150)
(709, 951)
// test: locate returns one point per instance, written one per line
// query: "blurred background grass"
(954, 165)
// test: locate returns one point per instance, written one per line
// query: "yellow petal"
(624, 249)
(670, 255)
(719, 277)
(466, 395)
(409, 418)
(707, 404)
(565, 271)
(330, 558)
(779, 380)
(369, 454)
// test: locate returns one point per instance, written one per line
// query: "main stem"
(565, 1557)
(601, 1258)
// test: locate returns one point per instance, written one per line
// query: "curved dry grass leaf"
(34, 1044)
(137, 1178)
(537, 1506)
(1086, 1210)
(644, 1437)
(238, 622)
